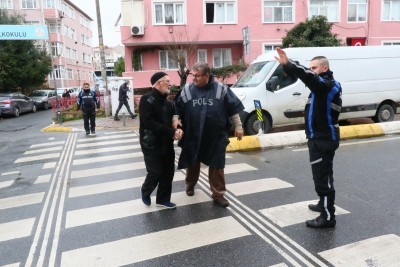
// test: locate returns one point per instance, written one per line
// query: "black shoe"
(189, 191)
(320, 222)
(134, 116)
(116, 119)
(146, 199)
(87, 132)
(221, 201)
(93, 132)
(167, 205)
(315, 207)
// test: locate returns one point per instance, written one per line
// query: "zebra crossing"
(93, 188)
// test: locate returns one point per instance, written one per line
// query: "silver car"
(15, 103)
(43, 98)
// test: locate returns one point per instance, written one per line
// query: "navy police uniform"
(87, 101)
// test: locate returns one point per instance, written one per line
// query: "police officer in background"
(87, 101)
(322, 130)
(123, 100)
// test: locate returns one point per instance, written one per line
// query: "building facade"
(70, 38)
(111, 55)
(225, 32)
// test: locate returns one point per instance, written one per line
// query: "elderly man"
(205, 109)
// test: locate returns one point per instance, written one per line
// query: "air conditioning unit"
(137, 30)
(61, 14)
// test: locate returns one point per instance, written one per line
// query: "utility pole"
(103, 61)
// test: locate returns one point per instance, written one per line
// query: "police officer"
(87, 101)
(123, 100)
(322, 130)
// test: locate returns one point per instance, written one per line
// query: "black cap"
(156, 76)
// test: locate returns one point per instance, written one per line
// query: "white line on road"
(108, 137)
(16, 229)
(43, 179)
(48, 144)
(10, 173)
(105, 143)
(37, 158)
(106, 158)
(141, 248)
(107, 170)
(43, 150)
(255, 186)
(22, 200)
(6, 183)
(105, 150)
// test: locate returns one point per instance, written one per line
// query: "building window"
(218, 12)
(52, 3)
(222, 57)
(54, 27)
(357, 10)
(168, 13)
(391, 10)
(32, 22)
(6, 4)
(29, 4)
(278, 11)
(56, 49)
(271, 47)
(327, 8)
(202, 55)
(391, 43)
(169, 59)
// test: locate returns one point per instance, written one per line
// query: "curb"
(294, 138)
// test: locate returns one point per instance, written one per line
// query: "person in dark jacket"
(87, 101)
(123, 100)
(322, 130)
(205, 109)
(156, 140)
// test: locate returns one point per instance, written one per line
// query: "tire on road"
(252, 124)
(384, 113)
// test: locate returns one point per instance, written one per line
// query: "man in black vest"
(205, 109)
(123, 100)
(87, 101)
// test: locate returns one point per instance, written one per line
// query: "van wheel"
(253, 124)
(16, 112)
(384, 113)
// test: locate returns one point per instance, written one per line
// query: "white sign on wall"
(113, 85)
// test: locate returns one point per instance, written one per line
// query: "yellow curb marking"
(358, 131)
(56, 129)
(248, 143)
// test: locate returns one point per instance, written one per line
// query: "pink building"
(220, 28)
(70, 42)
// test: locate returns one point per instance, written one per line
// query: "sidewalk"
(248, 143)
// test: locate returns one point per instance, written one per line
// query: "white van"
(369, 75)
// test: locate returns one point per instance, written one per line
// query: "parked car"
(15, 103)
(43, 98)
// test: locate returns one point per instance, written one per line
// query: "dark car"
(43, 98)
(15, 103)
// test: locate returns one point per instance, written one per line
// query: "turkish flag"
(356, 41)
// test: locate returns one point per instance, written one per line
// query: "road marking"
(125, 184)
(105, 149)
(10, 173)
(6, 183)
(106, 158)
(16, 229)
(153, 245)
(12, 265)
(126, 209)
(294, 213)
(113, 142)
(356, 143)
(107, 170)
(377, 251)
(108, 137)
(48, 144)
(23, 200)
(255, 186)
(49, 165)
(119, 132)
(43, 179)
(39, 157)
(43, 150)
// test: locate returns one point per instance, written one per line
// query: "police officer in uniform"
(322, 130)
(205, 109)
(87, 101)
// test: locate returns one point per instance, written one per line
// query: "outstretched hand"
(282, 57)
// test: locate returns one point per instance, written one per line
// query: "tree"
(119, 66)
(22, 64)
(180, 47)
(313, 32)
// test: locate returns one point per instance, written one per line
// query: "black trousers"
(121, 103)
(322, 152)
(160, 172)
(89, 116)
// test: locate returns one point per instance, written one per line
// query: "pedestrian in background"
(88, 101)
(123, 100)
(156, 140)
(66, 94)
(205, 110)
(322, 130)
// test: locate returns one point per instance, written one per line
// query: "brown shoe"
(221, 201)
(190, 190)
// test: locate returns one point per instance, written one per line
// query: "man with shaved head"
(322, 130)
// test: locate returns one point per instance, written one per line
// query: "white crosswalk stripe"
(43, 150)
(16, 229)
(22, 200)
(37, 158)
(106, 158)
(105, 143)
(106, 150)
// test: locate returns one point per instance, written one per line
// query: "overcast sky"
(109, 10)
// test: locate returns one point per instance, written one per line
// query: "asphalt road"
(71, 200)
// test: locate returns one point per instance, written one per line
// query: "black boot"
(320, 222)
